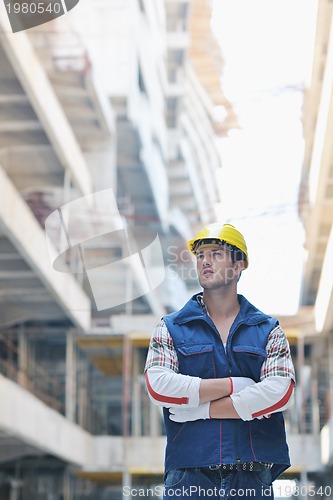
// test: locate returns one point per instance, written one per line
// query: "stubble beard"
(222, 282)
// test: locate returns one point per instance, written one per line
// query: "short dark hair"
(236, 254)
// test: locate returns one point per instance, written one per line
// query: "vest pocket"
(249, 360)
(197, 360)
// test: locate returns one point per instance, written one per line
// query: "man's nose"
(206, 260)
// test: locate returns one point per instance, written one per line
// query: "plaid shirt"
(278, 362)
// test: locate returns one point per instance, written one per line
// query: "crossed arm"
(191, 398)
(217, 395)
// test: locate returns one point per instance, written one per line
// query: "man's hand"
(178, 414)
(239, 383)
(216, 388)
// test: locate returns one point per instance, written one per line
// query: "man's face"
(215, 267)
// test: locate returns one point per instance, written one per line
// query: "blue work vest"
(201, 353)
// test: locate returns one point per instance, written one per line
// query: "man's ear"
(239, 266)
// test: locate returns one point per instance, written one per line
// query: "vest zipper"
(209, 321)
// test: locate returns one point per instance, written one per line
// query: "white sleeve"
(271, 395)
(167, 388)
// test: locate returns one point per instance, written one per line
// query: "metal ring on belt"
(246, 466)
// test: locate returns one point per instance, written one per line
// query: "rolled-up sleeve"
(161, 350)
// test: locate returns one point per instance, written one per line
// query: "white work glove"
(179, 414)
(239, 383)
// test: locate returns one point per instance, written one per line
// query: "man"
(223, 373)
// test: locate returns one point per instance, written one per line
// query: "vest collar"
(248, 313)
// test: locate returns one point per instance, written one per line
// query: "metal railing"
(34, 378)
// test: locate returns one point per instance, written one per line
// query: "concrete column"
(22, 357)
(82, 394)
(15, 486)
(330, 370)
(302, 409)
(68, 492)
(330, 389)
(127, 481)
(70, 401)
(126, 396)
(314, 391)
(301, 388)
(136, 407)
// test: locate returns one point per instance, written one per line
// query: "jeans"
(202, 483)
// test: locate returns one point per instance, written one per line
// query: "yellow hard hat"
(217, 234)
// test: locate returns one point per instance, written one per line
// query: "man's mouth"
(207, 272)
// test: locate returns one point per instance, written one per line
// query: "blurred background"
(125, 127)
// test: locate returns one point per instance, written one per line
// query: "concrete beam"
(37, 86)
(16, 275)
(23, 293)
(324, 299)
(126, 324)
(42, 427)
(14, 313)
(10, 452)
(19, 125)
(50, 432)
(13, 99)
(321, 161)
(29, 239)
